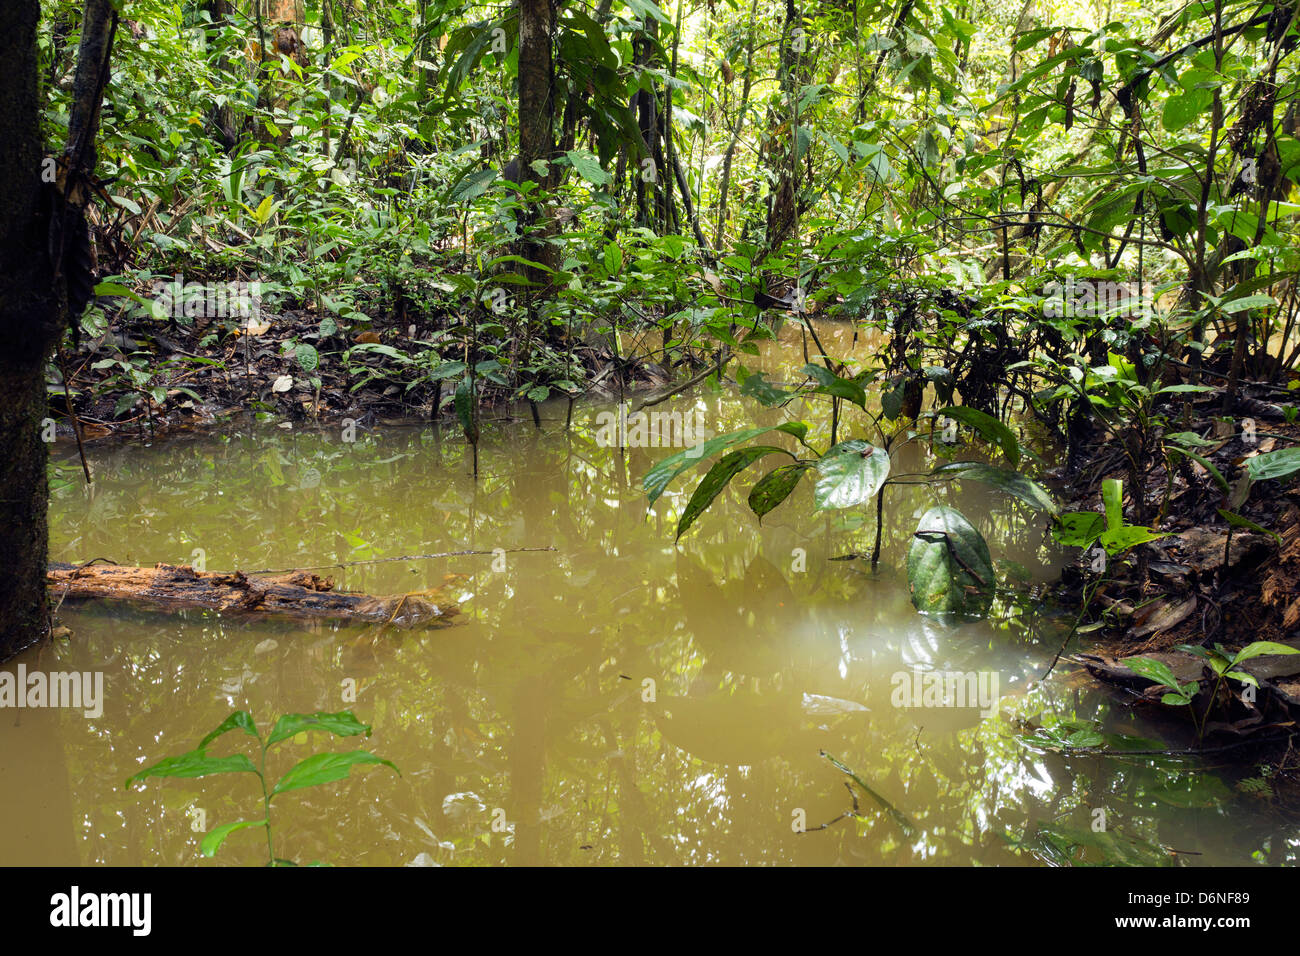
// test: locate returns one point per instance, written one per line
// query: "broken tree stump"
(298, 594)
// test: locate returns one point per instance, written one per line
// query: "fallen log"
(299, 594)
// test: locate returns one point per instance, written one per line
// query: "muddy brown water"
(620, 700)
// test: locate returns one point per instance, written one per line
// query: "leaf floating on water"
(819, 705)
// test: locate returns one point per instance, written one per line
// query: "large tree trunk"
(796, 68)
(223, 117)
(29, 323)
(536, 111)
(34, 259)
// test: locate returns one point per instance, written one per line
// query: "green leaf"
(212, 841)
(613, 259)
(326, 768)
(1248, 302)
(1078, 529)
(239, 720)
(1155, 670)
(341, 724)
(989, 427)
(264, 210)
(1274, 464)
(1180, 110)
(588, 167)
(116, 289)
(1260, 648)
(1112, 496)
(1238, 521)
(757, 386)
(949, 570)
(1085, 739)
(774, 487)
(658, 478)
(1118, 540)
(196, 763)
(851, 473)
(1204, 463)
(1180, 389)
(1004, 479)
(718, 477)
(472, 186)
(830, 384)
(891, 401)
(464, 402)
(307, 356)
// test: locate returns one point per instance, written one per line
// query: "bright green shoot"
(313, 771)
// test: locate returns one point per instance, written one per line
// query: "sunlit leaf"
(211, 843)
(196, 763)
(850, 473)
(326, 768)
(658, 478)
(341, 724)
(718, 478)
(239, 720)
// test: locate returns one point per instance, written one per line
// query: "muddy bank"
(147, 378)
(1223, 574)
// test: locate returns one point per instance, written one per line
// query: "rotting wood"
(296, 595)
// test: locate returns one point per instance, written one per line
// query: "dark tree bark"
(42, 247)
(223, 117)
(536, 107)
(795, 68)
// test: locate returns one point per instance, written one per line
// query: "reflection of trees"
(534, 706)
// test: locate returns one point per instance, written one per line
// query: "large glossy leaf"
(774, 487)
(1004, 479)
(194, 764)
(1274, 464)
(949, 570)
(341, 724)
(851, 473)
(988, 426)
(326, 768)
(718, 477)
(240, 719)
(211, 843)
(661, 475)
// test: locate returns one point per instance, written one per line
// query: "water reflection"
(620, 700)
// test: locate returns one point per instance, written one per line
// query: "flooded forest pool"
(619, 700)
